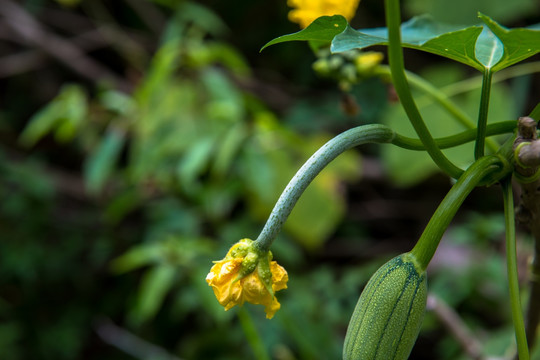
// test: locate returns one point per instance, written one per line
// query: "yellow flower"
(245, 274)
(366, 62)
(308, 10)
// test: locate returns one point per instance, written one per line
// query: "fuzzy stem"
(395, 55)
(430, 238)
(312, 167)
(511, 265)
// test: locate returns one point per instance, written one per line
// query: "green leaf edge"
(318, 30)
(475, 31)
(501, 32)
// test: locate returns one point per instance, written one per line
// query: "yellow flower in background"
(308, 10)
(247, 275)
(367, 61)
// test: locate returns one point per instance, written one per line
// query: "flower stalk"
(511, 266)
(461, 138)
(312, 167)
(440, 98)
(473, 176)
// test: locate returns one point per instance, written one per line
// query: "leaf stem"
(441, 98)
(511, 264)
(336, 146)
(483, 114)
(430, 238)
(508, 73)
(446, 142)
(395, 54)
(313, 166)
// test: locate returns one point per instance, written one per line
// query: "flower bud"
(247, 274)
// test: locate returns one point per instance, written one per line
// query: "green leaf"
(100, 164)
(322, 29)
(465, 11)
(63, 115)
(118, 102)
(489, 49)
(155, 285)
(535, 113)
(481, 47)
(421, 33)
(136, 257)
(195, 162)
(518, 44)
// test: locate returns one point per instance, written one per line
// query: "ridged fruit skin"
(388, 316)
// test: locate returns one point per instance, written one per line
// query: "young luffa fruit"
(389, 313)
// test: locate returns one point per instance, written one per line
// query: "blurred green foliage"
(114, 202)
(465, 12)
(188, 156)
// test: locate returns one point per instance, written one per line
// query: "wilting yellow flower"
(245, 274)
(308, 10)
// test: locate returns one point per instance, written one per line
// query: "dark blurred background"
(140, 139)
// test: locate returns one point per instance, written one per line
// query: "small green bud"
(322, 67)
(249, 263)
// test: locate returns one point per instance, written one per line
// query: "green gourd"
(389, 313)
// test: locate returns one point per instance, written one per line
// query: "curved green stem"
(511, 264)
(312, 167)
(483, 114)
(329, 151)
(441, 98)
(395, 54)
(430, 238)
(499, 128)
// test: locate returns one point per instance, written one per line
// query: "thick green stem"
(483, 114)
(511, 265)
(464, 137)
(395, 54)
(430, 238)
(312, 167)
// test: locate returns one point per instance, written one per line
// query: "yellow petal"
(235, 296)
(272, 308)
(221, 279)
(279, 276)
(254, 289)
(232, 287)
(308, 10)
